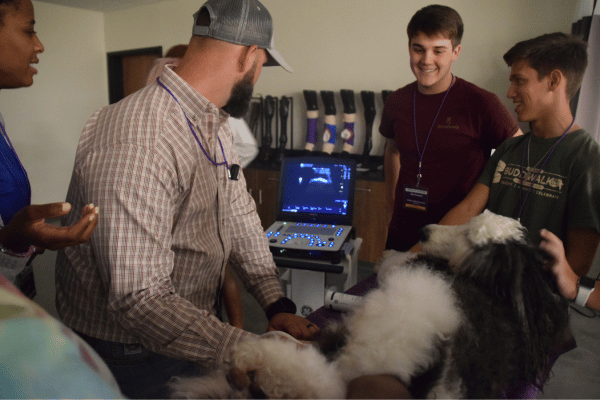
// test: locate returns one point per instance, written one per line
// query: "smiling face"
(431, 59)
(531, 95)
(19, 46)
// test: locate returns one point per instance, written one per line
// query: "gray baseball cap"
(243, 22)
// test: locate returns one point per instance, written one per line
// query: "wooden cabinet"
(369, 215)
(263, 186)
(369, 208)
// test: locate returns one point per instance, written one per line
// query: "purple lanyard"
(419, 176)
(541, 168)
(194, 132)
(25, 191)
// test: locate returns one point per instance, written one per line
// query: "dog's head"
(274, 367)
(493, 250)
(497, 254)
(483, 234)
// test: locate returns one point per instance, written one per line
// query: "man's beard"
(241, 95)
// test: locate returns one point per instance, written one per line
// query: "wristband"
(283, 305)
(11, 253)
(586, 287)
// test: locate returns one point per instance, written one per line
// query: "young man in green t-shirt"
(549, 178)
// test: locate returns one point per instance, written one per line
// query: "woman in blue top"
(23, 229)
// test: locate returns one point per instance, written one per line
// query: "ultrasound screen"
(317, 188)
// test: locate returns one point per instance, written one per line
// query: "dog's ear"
(513, 272)
(545, 311)
(497, 268)
(507, 270)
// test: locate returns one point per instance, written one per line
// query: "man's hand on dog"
(298, 327)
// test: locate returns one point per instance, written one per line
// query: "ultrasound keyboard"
(308, 240)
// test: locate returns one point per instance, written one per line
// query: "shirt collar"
(194, 103)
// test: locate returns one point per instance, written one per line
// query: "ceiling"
(101, 5)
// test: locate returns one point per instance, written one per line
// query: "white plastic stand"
(306, 281)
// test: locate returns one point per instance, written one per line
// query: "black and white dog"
(471, 314)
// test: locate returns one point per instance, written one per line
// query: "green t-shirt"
(564, 195)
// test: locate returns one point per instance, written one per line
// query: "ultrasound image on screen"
(316, 188)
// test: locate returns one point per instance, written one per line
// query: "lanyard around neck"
(526, 148)
(194, 132)
(419, 152)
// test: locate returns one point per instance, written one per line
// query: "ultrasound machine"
(313, 231)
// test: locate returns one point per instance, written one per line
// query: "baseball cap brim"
(275, 59)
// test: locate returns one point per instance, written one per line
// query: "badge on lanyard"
(415, 197)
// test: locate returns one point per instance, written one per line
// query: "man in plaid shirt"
(162, 166)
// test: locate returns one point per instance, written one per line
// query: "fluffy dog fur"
(470, 315)
(272, 367)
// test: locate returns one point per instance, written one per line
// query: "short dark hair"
(551, 51)
(4, 4)
(436, 19)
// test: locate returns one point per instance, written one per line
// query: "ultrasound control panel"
(308, 240)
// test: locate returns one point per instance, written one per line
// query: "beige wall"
(356, 44)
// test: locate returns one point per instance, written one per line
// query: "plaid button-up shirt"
(169, 221)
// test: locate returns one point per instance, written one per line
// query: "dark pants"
(140, 373)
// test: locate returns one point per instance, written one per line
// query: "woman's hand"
(28, 227)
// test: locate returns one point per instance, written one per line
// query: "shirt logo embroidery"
(449, 125)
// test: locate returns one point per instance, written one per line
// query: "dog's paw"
(274, 366)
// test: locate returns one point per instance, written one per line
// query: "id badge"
(415, 197)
